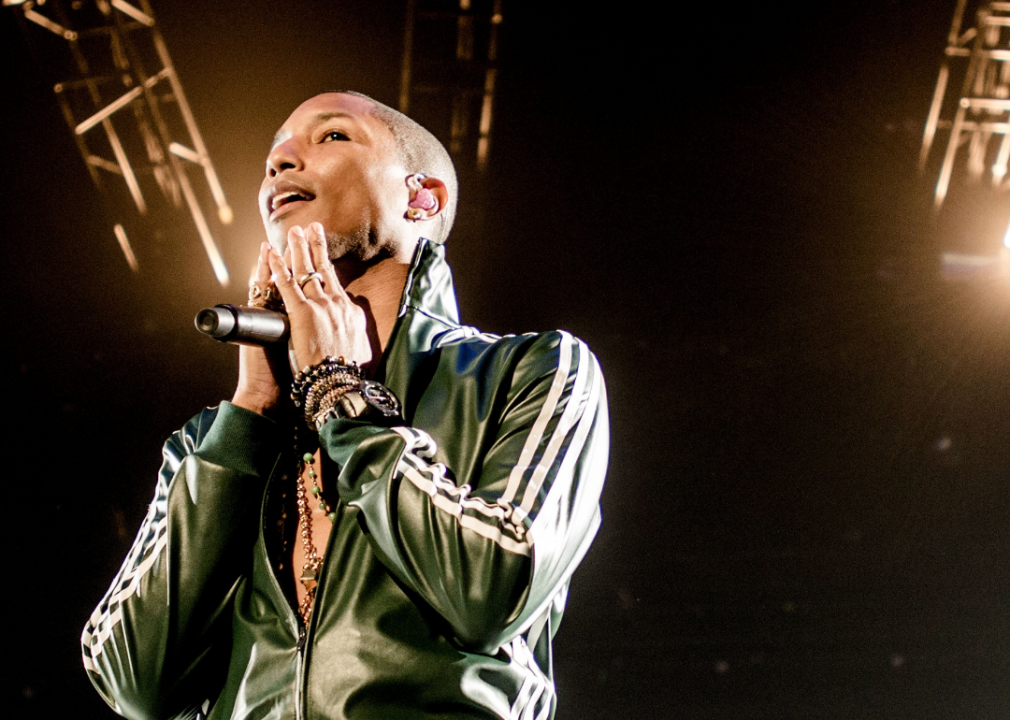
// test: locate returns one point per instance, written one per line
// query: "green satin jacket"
(447, 569)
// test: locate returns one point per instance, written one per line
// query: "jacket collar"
(428, 309)
(429, 286)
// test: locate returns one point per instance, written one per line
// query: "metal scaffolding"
(457, 71)
(978, 118)
(115, 67)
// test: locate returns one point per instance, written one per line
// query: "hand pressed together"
(324, 319)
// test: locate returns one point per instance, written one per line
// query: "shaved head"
(420, 152)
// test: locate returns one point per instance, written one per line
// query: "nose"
(283, 157)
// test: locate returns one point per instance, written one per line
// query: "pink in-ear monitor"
(423, 200)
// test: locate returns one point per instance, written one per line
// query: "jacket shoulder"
(537, 355)
(546, 346)
(185, 441)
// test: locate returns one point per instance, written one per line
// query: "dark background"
(805, 514)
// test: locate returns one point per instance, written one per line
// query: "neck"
(376, 287)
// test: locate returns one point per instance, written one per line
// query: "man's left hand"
(324, 319)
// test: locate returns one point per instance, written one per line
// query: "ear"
(428, 197)
(438, 189)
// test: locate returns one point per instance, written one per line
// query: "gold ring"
(268, 297)
(309, 277)
(256, 296)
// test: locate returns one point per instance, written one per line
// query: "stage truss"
(450, 64)
(125, 107)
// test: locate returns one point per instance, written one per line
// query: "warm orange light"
(124, 245)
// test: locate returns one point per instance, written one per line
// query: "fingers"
(301, 262)
(262, 292)
(303, 267)
(287, 270)
(289, 290)
(320, 255)
(307, 255)
(262, 277)
(324, 320)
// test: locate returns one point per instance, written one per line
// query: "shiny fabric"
(447, 569)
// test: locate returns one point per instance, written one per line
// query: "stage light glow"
(124, 244)
(171, 175)
(43, 21)
(136, 13)
(180, 150)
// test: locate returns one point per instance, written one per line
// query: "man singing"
(391, 532)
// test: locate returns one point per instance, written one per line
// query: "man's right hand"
(263, 373)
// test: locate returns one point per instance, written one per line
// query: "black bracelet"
(330, 366)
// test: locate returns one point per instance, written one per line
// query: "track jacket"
(447, 569)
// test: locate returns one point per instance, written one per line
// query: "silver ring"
(309, 277)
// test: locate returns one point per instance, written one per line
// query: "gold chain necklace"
(313, 563)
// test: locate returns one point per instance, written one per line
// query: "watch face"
(379, 397)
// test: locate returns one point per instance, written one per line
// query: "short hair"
(420, 152)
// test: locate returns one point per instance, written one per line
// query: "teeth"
(281, 198)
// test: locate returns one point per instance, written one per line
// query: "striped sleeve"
(488, 541)
(147, 548)
(150, 646)
(496, 522)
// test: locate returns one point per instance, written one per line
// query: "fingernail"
(297, 230)
(318, 227)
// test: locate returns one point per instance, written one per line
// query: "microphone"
(243, 325)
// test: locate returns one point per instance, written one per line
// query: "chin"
(361, 244)
(276, 236)
(280, 244)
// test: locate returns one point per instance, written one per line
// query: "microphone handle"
(243, 325)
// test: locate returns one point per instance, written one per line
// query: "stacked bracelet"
(309, 376)
(317, 391)
(368, 399)
(318, 386)
(333, 389)
(324, 408)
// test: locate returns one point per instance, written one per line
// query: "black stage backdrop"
(806, 513)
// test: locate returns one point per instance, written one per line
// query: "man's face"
(335, 163)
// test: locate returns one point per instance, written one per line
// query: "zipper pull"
(301, 638)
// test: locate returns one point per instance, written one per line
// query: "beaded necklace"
(316, 390)
(313, 562)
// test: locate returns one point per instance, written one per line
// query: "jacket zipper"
(305, 630)
(293, 616)
(299, 670)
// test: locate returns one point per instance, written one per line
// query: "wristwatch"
(368, 399)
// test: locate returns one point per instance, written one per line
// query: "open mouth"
(283, 199)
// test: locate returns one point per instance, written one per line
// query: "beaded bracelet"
(313, 385)
(330, 365)
(325, 406)
(318, 390)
